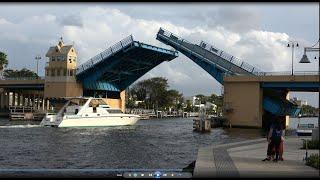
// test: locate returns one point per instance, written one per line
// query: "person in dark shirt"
(275, 138)
(270, 150)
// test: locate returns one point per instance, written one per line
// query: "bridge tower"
(60, 77)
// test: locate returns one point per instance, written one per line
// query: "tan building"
(243, 97)
(60, 80)
(60, 77)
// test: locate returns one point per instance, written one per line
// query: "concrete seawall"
(243, 159)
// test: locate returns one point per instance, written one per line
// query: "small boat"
(305, 129)
(88, 112)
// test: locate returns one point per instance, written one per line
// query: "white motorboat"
(305, 129)
(88, 112)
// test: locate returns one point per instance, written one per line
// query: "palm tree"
(3, 62)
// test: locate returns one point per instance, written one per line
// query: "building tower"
(60, 77)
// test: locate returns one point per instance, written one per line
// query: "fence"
(105, 54)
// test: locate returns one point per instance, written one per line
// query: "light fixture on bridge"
(305, 58)
(293, 44)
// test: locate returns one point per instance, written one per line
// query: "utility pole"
(293, 44)
(37, 59)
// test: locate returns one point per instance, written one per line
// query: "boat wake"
(20, 126)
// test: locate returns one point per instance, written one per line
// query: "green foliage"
(313, 161)
(308, 110)
(155, 94)
(3, 60)
(19, 73)
(312, 144)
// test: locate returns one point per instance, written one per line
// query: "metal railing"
(179, 41)
(216, 51)
(234, 60)
(22, 78)
(105, 54)
(289, 73)
(284, 73)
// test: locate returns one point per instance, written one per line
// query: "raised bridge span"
(120, 65)
(220, 64)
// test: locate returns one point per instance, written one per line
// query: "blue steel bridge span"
(219, 64)
(119, 66)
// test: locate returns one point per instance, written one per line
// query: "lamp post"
(313, 48)
(37, 59)
(292, 44)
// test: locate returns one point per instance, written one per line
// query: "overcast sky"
(256, 33)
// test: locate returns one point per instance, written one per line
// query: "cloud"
(71, 20)
(95, 28)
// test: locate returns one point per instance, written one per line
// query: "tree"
(202, 98)
(3, 62)
(10, 73)
(155, 94)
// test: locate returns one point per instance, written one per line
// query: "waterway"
(150, 144)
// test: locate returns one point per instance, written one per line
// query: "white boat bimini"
(88, 112)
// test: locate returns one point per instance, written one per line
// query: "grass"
(312, 144)
(313, 161)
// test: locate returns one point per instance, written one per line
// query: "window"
(114, 111)
(58, 72)
(71, 72)
(53, 58)
(47, 72)
(64, 72)
(94, 109)
(53, 72)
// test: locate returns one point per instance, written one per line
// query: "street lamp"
(292, 44)
(305, 58)
(38, 57)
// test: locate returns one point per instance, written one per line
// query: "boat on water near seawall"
(305, 129)
(88, 112)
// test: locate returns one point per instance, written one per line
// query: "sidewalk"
(243, 159)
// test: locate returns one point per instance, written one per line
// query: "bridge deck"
(119, 66)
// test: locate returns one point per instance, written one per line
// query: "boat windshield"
(114, 111)
(79, 102)
(97, 102)
(306, 125)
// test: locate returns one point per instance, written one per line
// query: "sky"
(256, 33)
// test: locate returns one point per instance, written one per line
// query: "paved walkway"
(243, 159)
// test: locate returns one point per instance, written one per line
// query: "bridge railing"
(288, 73)
(181, 42)
(22, 78)
(284, 73)
(105, 54)
(234, 60)
(216, 51)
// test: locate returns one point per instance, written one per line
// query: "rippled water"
(158, 143)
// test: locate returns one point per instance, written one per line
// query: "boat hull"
(98, 121)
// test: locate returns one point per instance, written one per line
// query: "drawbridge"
(120, 65)
(219, 64)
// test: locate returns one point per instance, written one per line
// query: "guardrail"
(23, 78)
(216, 51)
(285, 73)
(176, 38)
(105, 54)
(234, 60)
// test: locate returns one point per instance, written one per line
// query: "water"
(150, 144)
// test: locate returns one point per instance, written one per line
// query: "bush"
(313, 161)
(312, 144)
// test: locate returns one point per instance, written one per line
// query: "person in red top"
(275, 141)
